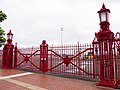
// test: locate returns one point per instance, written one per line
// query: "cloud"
(31, 21)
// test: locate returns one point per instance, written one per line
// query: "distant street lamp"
(61, 29)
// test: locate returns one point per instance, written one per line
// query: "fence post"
(95, 59)
(15, 56)
(44, 56)
(7, 61)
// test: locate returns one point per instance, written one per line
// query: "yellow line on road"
(26, 85)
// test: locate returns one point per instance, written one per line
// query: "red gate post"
(7, 61)
(44, 56)
(15, 56)
(105, 40)
(95, 55)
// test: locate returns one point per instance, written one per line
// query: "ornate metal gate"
(72, 60)
(99, 60)
(116, 57)
(26, 58)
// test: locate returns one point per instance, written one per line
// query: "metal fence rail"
(78, 60)
(28, 59)
(68, 60)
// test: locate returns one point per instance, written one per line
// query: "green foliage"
(2, 38)
(3, 16)
(2, 32)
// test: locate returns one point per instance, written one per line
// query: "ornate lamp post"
(105, 41)
(104, 18)
(8, 52)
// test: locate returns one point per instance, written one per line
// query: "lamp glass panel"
(103, 16)
(10, 37)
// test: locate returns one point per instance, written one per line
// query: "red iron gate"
(72, 60)
(26, 58)
(116, 57)
(99, 60)
(80, 60)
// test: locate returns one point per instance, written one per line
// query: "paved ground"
(20, 80)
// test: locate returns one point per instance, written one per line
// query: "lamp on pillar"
(7, 60)
(9, 37)
(104, 18)
(105, 41)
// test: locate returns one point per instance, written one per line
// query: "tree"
(3, 16)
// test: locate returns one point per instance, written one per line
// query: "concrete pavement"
(21, 80)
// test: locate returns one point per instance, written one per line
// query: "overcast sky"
(32, 21)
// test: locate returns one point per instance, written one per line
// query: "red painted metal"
(7, 61)
(9, 37)
(26, 58)
(1, 57)
(117, 56)
(99, 60)
(105, 39)
(15, 56)
(72, 60)
(44, 56)
(79, 60)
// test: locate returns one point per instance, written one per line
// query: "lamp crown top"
(44, 42)
(103, 6)
(10, 33)
(103, 9)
